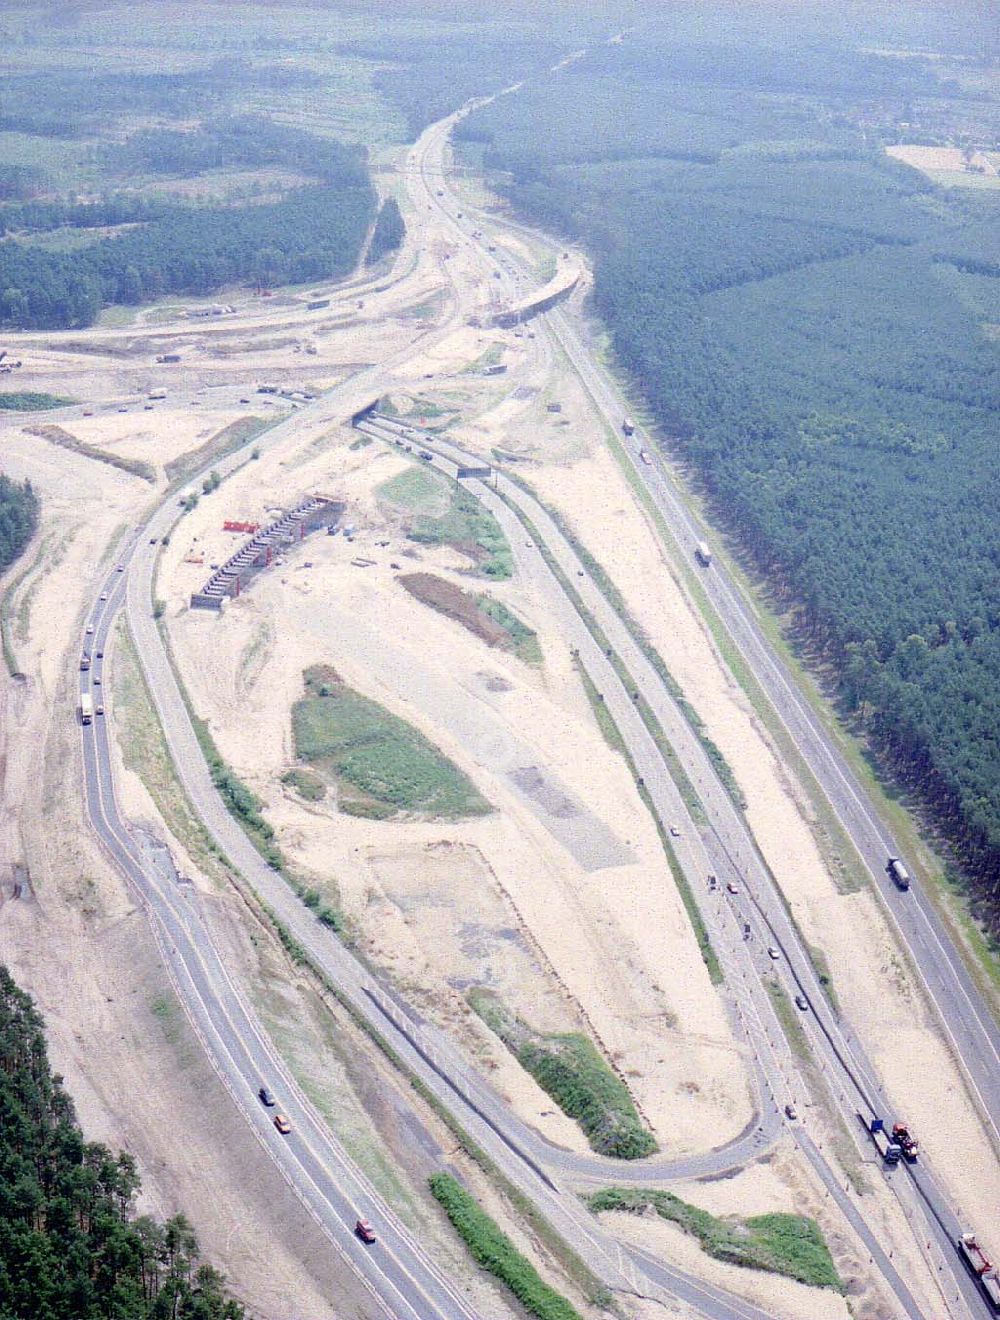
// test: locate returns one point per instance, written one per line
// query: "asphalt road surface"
(397, 1270)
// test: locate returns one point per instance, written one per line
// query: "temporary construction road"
(311, 1160)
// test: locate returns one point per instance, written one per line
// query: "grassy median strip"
(240, 801)
(612, 736)
(569, 1068)
(495, 1252)
(617, 602)
(792, 1245)
(144, 751)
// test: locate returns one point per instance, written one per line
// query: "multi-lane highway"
(963, 1014)
(401, 1278)
(399, 1271)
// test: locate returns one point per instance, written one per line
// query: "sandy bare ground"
(136, 1073)
(539, 880)
(506, 901)
(933, 160)
(584, 482)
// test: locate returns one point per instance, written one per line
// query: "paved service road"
(963, 1013)
(402, 1280)
(311, 1160)
(406, 1283)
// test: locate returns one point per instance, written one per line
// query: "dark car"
(266, 1098)
(364, 1231)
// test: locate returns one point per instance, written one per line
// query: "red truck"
(982, 1267)
(908, 1144)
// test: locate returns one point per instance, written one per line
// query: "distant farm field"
(951, 166)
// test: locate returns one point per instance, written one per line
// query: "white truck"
(703, 554)
(86, 708)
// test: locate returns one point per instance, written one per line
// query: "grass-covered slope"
(569, 1068)
(779, 1243)
(494, 1251)
(383, 766)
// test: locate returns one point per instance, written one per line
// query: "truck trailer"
(897, 873)
(86, 708)
(883, 1143)
(983, 1268)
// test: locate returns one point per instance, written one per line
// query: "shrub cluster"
(494, 1250)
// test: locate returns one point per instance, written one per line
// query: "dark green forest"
(71, 1247)
(18, 518)
(812, 325)
(389, 231)
(163, 245)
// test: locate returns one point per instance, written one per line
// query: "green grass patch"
(57, 435)
(494, 1251)
(787, 1015)
(417, 490)
(491, 358)
(821, 965)
(167, 1012)
(382, 764)
(30, 401)
(471, 529)
(792, 1245)
(308, 785)
(525, 641)
(570, 1069)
